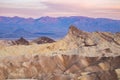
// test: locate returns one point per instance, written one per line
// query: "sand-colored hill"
(78, 56)
(84, 43)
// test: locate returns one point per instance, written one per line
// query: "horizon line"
(59, 17)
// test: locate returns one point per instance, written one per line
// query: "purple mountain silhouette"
(53, 27)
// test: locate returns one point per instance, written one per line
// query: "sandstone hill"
(6, 43)
(20, 41)
(78, 56)
(23, 41)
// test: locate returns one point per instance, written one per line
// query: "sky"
(59, 8)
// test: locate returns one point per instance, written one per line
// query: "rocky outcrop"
(75, 42)
(21, 41)
(78, 56)
(105, 43)
(59, 67)
(6, 42)
(43, 40)
(91, 39)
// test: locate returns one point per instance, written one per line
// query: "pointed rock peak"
(73, 28)
(75, 31)
(22, 41)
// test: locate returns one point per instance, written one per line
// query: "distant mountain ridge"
(15, 27)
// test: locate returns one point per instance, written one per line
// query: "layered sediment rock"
(59, 67)
(79, 56)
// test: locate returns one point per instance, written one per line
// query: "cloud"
(37, 8)
(29, 4)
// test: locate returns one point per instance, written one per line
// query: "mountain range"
(55, 27)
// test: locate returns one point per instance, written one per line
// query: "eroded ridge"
(78, 56)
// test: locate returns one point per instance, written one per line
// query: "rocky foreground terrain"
(78, 56)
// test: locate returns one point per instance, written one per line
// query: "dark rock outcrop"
(21, 41)
(43, 40)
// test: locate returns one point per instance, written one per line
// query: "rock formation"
(6, 42)
(59, 67)
(21, 41)
(43, 40)
(78, 56)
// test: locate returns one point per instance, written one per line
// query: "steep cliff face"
(78, 56)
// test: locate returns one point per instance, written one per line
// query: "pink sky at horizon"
(57, 8)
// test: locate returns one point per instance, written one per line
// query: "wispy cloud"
(37, 8)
